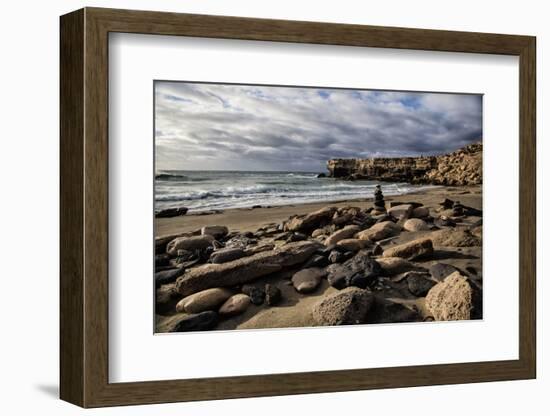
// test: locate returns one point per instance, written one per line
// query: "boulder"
(245, 269)
(272, 294)
(346, 232)
(419, 283)
(396, 265)
(256, 293)
(358, 271)
(455, 237)
(216, 231)
(310, 221)
(439, 271)
(205, 300)
(203, 321)
(226, 254)
(235, 305)
(353, 244)
(199, 242)
(380, 231)
(415, 224)
(346, 307)
(420, 247)
(450, 300)
(307, 280)
(401, 211)
(420, 212)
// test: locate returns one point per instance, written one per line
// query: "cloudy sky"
(237, 127)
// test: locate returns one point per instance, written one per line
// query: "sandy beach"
(394, 293)
(247, 219)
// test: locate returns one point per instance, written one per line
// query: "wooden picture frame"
(84, 207)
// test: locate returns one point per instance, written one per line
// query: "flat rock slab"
(346, 307)
(455, 237)
(246, 269)
(311, 221)
(450, 300)
(346, 232)
(205, 300)
(380, 231)
(421, 247)
(225, 255)
(307, 280)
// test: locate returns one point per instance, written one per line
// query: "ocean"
(218, 190)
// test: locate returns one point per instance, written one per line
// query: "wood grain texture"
(84, 207)
(71, 208)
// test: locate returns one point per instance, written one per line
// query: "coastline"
(250, 219)
(400, 292)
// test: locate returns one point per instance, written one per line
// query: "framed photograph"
(255, 207)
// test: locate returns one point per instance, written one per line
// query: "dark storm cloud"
(209, 126)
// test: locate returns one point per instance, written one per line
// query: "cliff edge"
(459, 168)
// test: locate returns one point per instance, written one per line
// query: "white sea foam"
(207, 190)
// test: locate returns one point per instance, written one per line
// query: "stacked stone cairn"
(379, 203)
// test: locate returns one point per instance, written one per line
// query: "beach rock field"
(415, 260)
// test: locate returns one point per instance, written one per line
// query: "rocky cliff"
(462, 167)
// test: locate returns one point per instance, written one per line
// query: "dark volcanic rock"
(171, 212)
(203, 321)
(346, 307)
(162, 260)
(419, 283)
(440, 271)
(358, 271)
(316, 261)
(168, 276)
(256, 293)
(272, 294)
